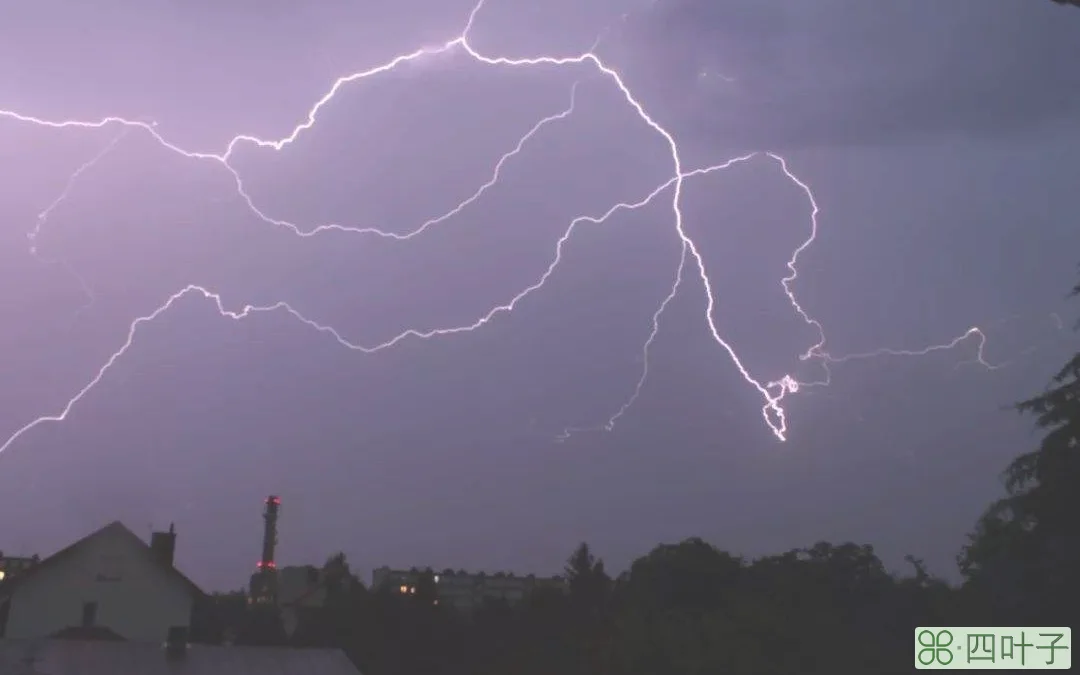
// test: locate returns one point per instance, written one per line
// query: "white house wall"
(141, 605)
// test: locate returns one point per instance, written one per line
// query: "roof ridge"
(115, 525)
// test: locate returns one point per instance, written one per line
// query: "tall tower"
(270, 516)
(264, 581)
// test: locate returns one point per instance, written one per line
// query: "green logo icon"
(993, 648)
(935, 647)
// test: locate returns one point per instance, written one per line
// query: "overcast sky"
(938, 138)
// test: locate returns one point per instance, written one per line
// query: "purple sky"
(937, 141)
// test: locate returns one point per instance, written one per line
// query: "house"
(13, 566)
(108, 584)
(78, 657)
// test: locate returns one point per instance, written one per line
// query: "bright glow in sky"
(236, 183)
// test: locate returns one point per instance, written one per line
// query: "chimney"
(163, 545)
(176, 644)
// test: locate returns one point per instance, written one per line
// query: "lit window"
(404, 589)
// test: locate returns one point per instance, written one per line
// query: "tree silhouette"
(588, 583)
(692, 575)
(1025, 551)
(262, 627)
(218, 617)
(682, 609)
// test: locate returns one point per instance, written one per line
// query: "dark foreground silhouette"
(692, 609)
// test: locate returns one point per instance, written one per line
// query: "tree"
(218, 616)
(1025, 551)
(1074, 3)
(262, 627)
(587, 615)
(427, 593)
(683, 609)
(689, 576)
(588, 583)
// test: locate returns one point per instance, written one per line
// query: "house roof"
(7, 587)
(74, 657)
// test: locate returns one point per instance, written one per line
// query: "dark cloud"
(847, 71)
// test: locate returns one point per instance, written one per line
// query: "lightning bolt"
(43, 217)
(772, 392)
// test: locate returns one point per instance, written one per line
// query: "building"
(465, 591)
(301, 585)
(78, 657)
(302, 589)
(12, 566)
(109, 584)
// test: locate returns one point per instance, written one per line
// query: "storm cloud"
(851, 72)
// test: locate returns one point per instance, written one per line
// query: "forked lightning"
(772, 391)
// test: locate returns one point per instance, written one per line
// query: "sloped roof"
(116, 526)
(74, 657)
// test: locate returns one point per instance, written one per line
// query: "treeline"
(683, 608)
(692, 609)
